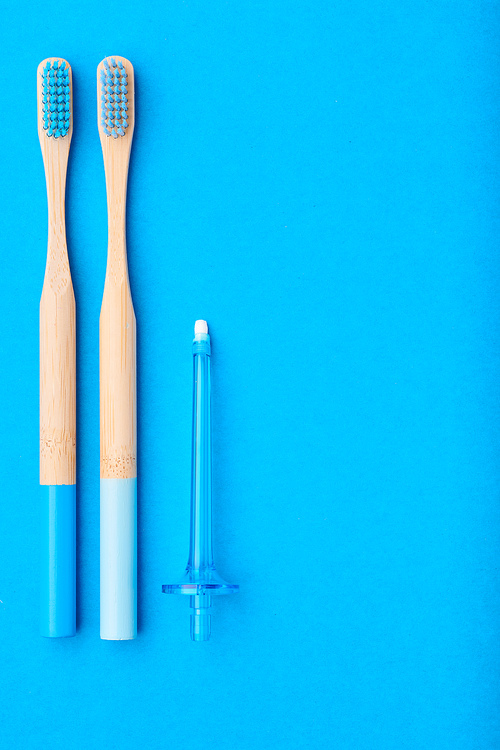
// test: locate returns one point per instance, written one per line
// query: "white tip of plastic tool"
(200, 326)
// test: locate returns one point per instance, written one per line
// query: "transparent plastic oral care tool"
(201, 580)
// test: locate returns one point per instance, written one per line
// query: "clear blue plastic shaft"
(201, 580)
(200, 548)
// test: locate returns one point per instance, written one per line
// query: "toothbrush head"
(115, 92)
(55, 98)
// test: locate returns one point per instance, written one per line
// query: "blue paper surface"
(319, 181)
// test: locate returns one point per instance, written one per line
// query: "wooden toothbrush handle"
(117, 367)
(57, 382)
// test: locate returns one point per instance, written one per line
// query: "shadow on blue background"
(320, 183)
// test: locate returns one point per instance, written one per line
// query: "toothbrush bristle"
(114, 98)
(56, 98)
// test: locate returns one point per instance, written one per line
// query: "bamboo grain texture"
(117, 325)
(57, 317)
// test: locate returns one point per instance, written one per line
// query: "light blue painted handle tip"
(118, 559)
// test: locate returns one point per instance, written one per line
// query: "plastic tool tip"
(200, 626)
(200, 326)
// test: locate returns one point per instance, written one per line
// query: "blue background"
(319, 181)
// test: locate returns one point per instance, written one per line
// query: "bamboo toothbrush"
(57, 362)
(117, 354)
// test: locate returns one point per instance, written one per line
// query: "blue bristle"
(113, 78)
(56, 99)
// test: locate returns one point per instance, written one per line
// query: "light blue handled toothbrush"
(201, 580)
(117, 365)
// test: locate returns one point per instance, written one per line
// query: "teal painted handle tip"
(58, 560)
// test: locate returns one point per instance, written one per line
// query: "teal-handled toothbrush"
(57, 363)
